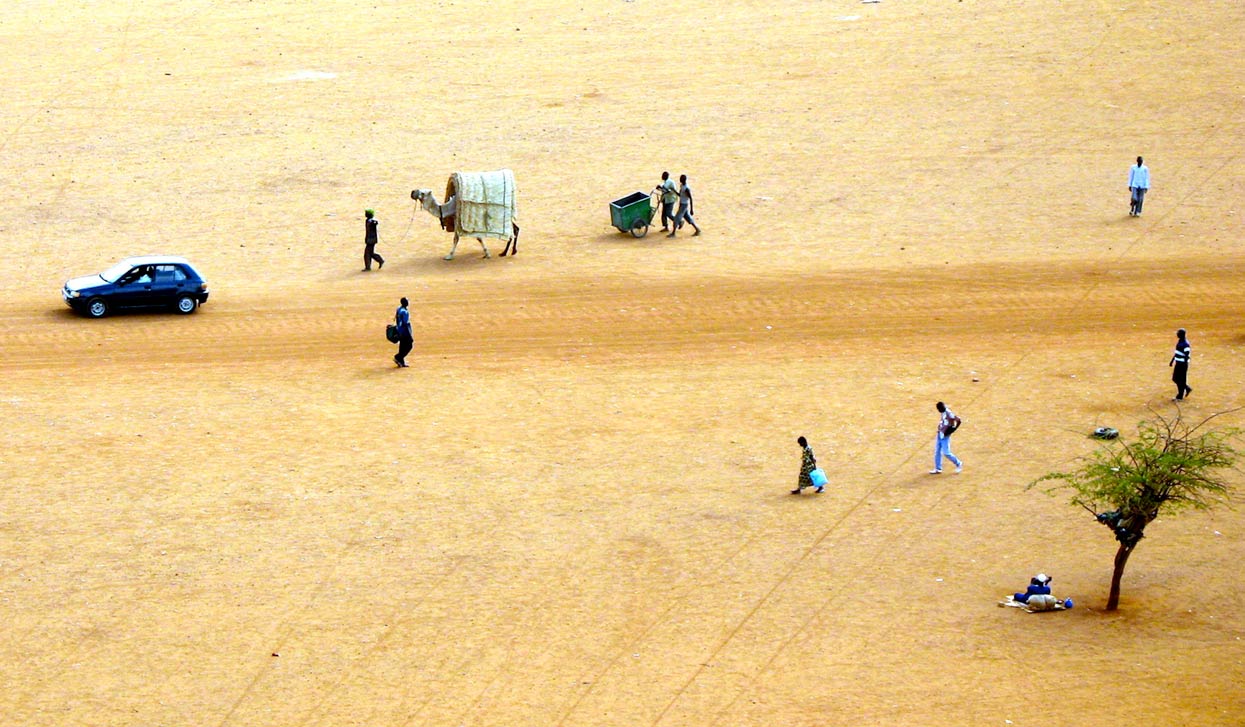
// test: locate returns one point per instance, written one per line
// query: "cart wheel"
(639, 228)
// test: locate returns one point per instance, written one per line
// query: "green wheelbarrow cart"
(633, 213)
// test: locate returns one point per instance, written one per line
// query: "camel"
(446, 214)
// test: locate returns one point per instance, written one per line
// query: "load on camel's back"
(477, 204)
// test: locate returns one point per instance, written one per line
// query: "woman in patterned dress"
(807, 465)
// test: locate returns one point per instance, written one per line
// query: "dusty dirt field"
(572, 509)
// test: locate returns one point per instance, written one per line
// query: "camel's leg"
(481, 241)
(514, 240)
(452, 249)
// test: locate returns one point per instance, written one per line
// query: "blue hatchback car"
(151, 281)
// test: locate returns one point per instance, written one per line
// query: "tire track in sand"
(628, 321)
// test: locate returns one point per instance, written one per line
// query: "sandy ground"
(572, 509)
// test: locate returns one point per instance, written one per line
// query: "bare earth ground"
(572, 509)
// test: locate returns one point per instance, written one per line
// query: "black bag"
(953, 423)
(391, 332)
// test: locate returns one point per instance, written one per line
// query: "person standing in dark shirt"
(1180, 366)
(369, 242)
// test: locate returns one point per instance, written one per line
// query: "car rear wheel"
(96, 308)
(186, 304)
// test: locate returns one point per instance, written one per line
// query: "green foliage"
(1169, 467)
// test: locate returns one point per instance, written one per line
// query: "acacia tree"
(1170, 467)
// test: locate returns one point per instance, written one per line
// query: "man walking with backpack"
(406, 338)
(947, 424)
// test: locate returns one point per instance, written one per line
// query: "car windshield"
(114, 273)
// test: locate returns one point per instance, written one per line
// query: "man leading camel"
(369, 242)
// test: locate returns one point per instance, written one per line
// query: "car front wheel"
(186, 304)
(97, 308)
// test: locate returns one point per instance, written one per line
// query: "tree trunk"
(1121, 559)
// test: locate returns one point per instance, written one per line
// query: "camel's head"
(419, 195)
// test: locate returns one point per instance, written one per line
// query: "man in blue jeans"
(406, 340)
(947, 425)
(1138, 185)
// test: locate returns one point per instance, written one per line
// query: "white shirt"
(944, 422)
(669, 194)
(1139, 176)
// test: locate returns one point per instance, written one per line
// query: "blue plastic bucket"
(818, 477)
